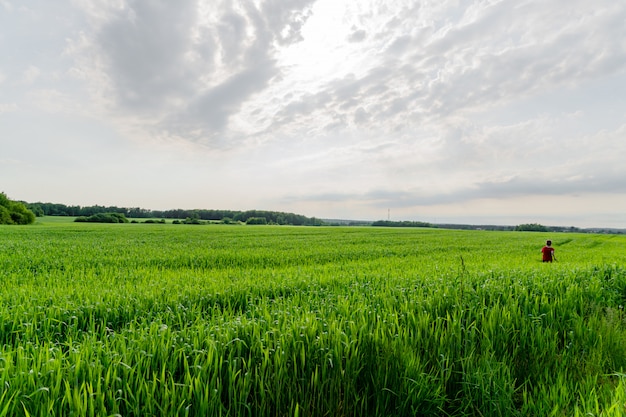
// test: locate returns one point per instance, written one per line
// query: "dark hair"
(548, 242)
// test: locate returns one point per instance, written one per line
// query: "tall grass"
(162, 320)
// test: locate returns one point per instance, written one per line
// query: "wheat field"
(224, 320)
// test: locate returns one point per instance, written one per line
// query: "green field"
(215, 320)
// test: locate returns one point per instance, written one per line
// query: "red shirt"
(547, 252)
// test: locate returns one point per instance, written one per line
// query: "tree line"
(271, 217)
(21, 212)
(405, 223)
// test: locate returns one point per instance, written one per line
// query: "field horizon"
(52, 219)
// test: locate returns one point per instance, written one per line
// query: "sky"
(446, 111)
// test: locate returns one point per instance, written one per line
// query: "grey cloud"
(144, 49)
(357, 36)
(515, 187)
(216, 105)
(164, 63)
(346, 89)
(303, 106)
(360, 116)
(344, 96)
(231, 33)
(285, 18)
(399, 45)
(545, 185)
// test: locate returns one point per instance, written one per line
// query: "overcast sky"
(498, 112)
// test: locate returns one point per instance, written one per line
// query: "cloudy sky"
(477, 111)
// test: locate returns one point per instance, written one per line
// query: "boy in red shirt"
(548, 252)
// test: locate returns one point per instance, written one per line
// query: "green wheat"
(167, 320)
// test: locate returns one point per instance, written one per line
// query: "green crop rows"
(167, 320)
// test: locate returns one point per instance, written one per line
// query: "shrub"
(194, 220)
(104, 218)
(5, 216)
(14, 212)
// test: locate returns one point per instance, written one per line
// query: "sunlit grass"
(264, 321)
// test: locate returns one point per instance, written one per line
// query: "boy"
(548, 252)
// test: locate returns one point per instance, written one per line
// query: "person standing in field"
(547, 252)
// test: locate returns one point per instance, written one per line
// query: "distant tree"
(256, 220)
(36, 209)
(406, 223)
(315, 222)
(137, 212)
(14, 212)
(531, 227)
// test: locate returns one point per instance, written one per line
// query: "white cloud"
(54, 101)
(31, 74)
(8, 107)
(7, 5)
